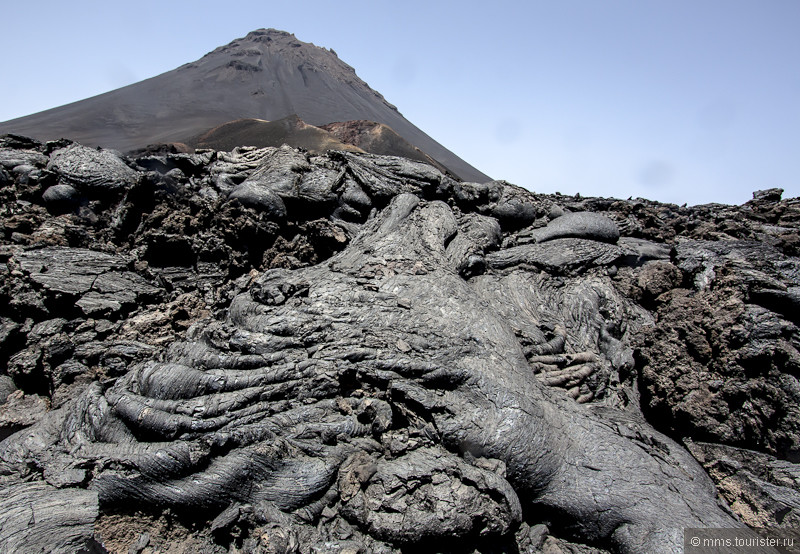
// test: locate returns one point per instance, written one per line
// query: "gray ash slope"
(267, 350)
(268, 74)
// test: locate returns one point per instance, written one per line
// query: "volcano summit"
(266, 75)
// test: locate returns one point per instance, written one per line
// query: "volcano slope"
(269, 351)
(267, 75)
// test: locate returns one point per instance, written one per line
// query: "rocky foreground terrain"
(266, 350)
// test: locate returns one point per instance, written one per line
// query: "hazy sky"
(675, 100)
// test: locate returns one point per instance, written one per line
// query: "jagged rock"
(101, 281)
(25, 365)
(301, 335)
(657, 278)
(384, 177)
(14, 157)
(721, 365)
(19, 142)
(394, 342)
(761, 488)
(20, 410)
(421, 495)
(768, 195)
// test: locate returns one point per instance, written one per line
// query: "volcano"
(268, 75)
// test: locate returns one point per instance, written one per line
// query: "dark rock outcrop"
(721, 364)
(268, 350)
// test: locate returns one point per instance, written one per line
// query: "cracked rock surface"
(270, 351)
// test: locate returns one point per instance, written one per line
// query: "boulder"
(95, 171)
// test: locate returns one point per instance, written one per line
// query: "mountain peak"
(268, 74)
(268, 37)
(270, 32)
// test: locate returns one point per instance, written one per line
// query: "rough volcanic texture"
(377, 138)
(266, 75)
(267, 350)
(722, 361)
(762, 489)
(290, 130)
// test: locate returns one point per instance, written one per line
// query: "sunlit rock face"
(275, 351)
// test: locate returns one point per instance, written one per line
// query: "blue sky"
(679, 101)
